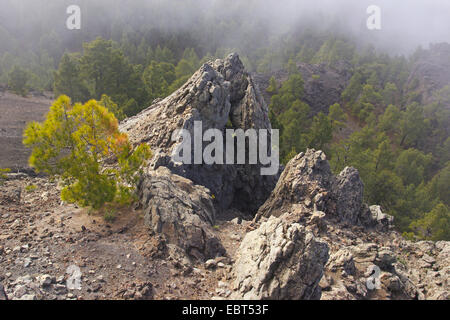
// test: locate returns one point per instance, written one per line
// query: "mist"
(405, 24)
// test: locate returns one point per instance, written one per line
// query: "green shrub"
(73, 144)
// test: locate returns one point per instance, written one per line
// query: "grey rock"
(348, 191)
(28, 297)
(385, 258)
(46, 280)
(307, 177)
(3, 295)
(210, 264)
(342, 260)
(182, 211)
(384, 221)
(20, 290)
(279, 261)
(218, 92)
(307, 180)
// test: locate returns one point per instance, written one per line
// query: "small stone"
(235, 237)
(428, 259)
(26, 262)
(211, 263)
(236, 220)
(20, 290)
(46, 280)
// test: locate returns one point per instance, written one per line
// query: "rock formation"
(314, 237)
(279, 260)
(220, 92)
(308, 180)
(367, 259)
(182, 211)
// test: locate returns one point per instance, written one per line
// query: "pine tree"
(18, 79)
(68, 79)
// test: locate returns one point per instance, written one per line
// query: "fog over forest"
(405, 24)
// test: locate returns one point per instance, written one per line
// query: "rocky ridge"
(312, 236)
(312, 233)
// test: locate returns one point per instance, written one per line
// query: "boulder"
(279, 260)
(182, 211)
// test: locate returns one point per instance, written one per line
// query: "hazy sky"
(405, 23)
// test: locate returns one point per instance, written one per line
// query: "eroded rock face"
(220, 92)
(182, 211)
(348, 193)
(279, 260)
(308, 181)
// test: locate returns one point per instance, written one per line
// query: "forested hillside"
(390, 118)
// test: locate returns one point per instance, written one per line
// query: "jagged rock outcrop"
(220, 92)
(368, 260)
(300, 220)
(183, 212)
(279, 260)
(308, 180)
(348, 192)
